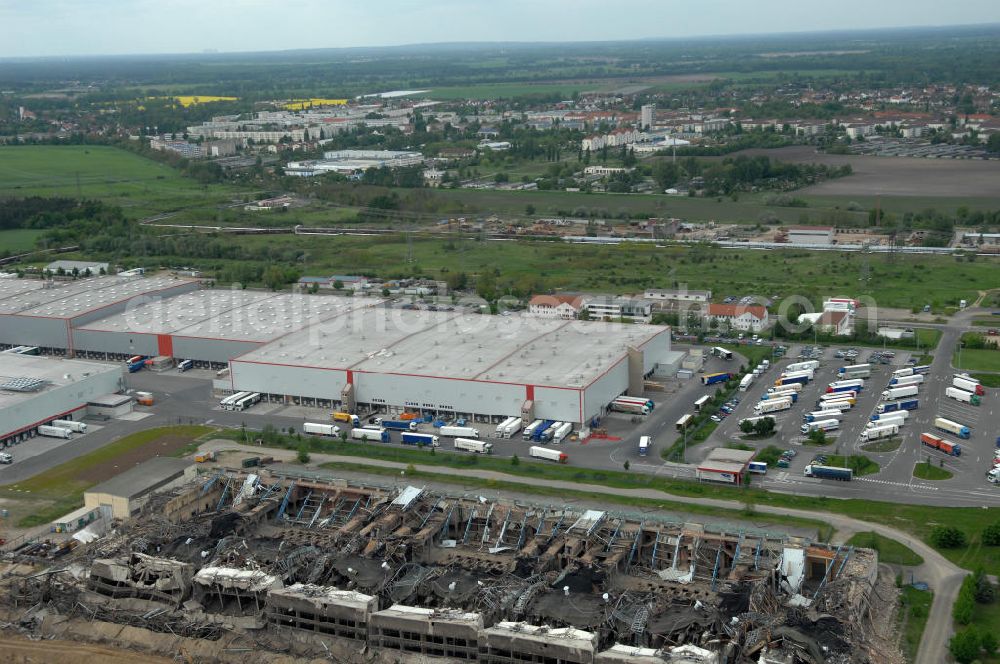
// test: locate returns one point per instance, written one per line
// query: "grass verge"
(926, 471)
(60, 490)
(988, 380)
(915, 607)
(860, 464)
(883, 446)
(973, 359)
(889, 550)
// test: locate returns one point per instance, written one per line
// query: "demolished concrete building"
(308, 565)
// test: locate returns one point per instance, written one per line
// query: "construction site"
(308, 567)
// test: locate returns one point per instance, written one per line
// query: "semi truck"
(420, 439)
(547, 431)
(852, 385)
(850, 395)
(472, 445)
(855, 371)
(644, 445)
(793, 387)
(902, 373)
(353, 420)
(54, 432)
(897, 393)
(897, 414)
(713, 378)
(378, 435)
(648, 403)
(878, 433)
(547, 453)
(808, 373)
(820, 425)
(794, 396)
(629, 407)
(798, 377)
(963, 396)
(319, 429)
(903, 381)
(772, 406)
(75, 427)
(896, 419)
(508, 427)
(906, 404)
(829, 472)
(922, 369)
(806, 365)
(820, 415)
(457, 432)
(969, 385)
(841, 405)
(746, 382)
(396, 425)
(940, 444)
(952, 426)
(529, 430)
(562, 431)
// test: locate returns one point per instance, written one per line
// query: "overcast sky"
(91, 27)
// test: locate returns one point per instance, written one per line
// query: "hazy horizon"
(63, 28)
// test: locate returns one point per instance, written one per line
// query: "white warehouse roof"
(74, 298)
(230, 314)
(51, 372)
(508, 349)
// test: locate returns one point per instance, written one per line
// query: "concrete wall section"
(656, 350)
(34, 331)
(287, 379)
(563, 405)
(121, 343)
(604, 390)
(460, 396)
(211, 350)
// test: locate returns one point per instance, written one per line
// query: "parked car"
(789, 452)
(715, 418)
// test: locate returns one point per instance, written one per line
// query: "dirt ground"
(895, 176)
(163, 446)
(23, 651)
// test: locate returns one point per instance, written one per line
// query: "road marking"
(905, 484)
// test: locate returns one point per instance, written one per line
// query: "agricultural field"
(191, 100)
(138, 185)
(972, 359)
(18, 240)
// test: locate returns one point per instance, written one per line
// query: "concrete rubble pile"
(315, 567)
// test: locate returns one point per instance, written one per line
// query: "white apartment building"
(744, 318)
(555, 306)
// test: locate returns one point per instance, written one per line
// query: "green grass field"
(889, 550)
(18, 240)
(927, 471)
(988, 380)
(977, 360)
(139, 185)
(915, 607)
(628, 268)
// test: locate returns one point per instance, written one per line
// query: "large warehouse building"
(353, 352)
(36, 390)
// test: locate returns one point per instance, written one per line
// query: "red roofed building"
(555, 306)
(742, 317)
(834, 322)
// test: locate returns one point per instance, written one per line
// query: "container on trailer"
(850, 385)
(746, 382)
(902, 373)
(379, 435)
(794, 396)
(897, 393)
(880, 432)
(512, 428)
(820, 425)
(903, 381)
(772, 405)
(353, 420)
(563, 430)
(713, 378)
(896, 414)
(648, 403)
(922, 369)
(952, 426)
(72, 425)
(420, 439)
(896, 419)
(969, 385)
(529, 430)
(629, 407)
(791, 387)
(455, 432)
(963, 396)
(501, 430)
(940, 444)
(806, 365)
(547, 453)
(854, 369)
(320, 429)
(54, 432)
(820, 415)
(396, 425)
(828, 472)
(472, 445)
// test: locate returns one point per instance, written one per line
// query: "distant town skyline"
(39, 28)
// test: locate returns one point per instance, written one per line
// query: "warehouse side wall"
(34, 331)
(603, 391)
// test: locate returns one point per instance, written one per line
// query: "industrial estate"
(671, 351)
